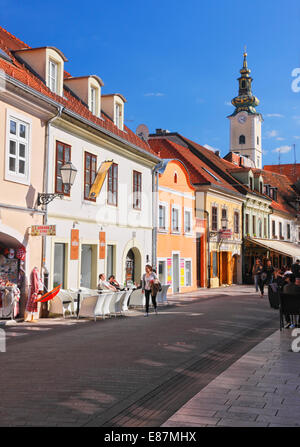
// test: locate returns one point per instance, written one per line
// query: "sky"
(177, 63)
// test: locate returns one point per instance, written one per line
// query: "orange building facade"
(176, 228)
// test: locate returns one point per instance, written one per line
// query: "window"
(59, 265)
(188, 273)
(243, 84)
(175, 220)
(112, 185)
(242, 139)
(52, 76)
(17, 167)
(259, 228)
(254, 225)
(214, 263)
(187, 222)
(90, 171)
(273, 229)
(162, 217)
(265, 227)
(175, 177)
(257, 141)
(214, 218)
(261, 187)
(251, 182)
(118, 115)
(63, 154)
(247, 224)
(162, 270)
(137, 190)
(280, 230)
(93, 100)
(288, 231)
(224, 218)
(109, 260)
(236, 222)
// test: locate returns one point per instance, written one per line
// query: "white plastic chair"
(162, 295)
(125, 300)
(137, 298)
(98, 311)
(67, 299)
(113, 305)
(88, 305)
(106, 306)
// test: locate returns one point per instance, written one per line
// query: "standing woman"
(266, 276)
(148, 280)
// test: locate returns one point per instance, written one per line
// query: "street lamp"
(68, 175)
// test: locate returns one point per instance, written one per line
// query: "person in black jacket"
(296, 268)
(266, 277)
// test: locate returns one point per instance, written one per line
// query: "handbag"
(263, 276)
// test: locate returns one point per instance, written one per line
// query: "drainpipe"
(208, 249)
(154, 215)
(45, 270)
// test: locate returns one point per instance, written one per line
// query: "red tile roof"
(292, 171)
(18, 71)
(197, 168)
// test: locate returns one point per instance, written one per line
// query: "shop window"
(112, 185)
(90, 171)
(188, 273)
(137, 190)
(17, 152)
(88, 266)
(110, 260)
(162, 271)
(214, 264)
(63, 154)
(59, 265)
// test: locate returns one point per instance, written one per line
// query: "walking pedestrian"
(266, 276)
(149, 278)
(256, 270)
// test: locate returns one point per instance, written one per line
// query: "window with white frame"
(188, 273)
(175, 220)
(17, 167)
(187, 221)
(52, 76)
(162, 217)
(118, 115)
(93, 93)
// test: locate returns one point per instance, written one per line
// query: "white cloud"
(154, 94)
(280, 139)
(274, 115)
(283, 149)
(297, 137)
(272, 133)
(213, 149)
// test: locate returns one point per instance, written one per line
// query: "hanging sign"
(74, 252)
(226, 234)
(102, 245)
(43, 230)
(99, 180)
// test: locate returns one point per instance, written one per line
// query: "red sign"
(74, 252)
(102, 245)
(226, 234)
(43, 230)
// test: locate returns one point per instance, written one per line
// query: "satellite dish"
(142, 131)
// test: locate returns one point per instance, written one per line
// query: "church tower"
(245, 122)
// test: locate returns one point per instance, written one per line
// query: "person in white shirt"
(105, 285)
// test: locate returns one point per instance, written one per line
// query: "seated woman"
(113, 282)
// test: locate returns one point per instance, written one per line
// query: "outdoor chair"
(162, 295)
(109, 296)
(288, 305)
(63, 302)
(113, 302)
(137, 298)
(98, 311)
(87, 307)
(124, 302)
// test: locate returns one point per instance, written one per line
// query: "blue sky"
(177, 62)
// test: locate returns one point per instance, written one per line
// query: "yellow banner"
(99, 180)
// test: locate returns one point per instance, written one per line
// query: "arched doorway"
(133, 266)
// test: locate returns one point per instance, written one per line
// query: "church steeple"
(245, 100)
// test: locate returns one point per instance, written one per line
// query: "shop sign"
(102, 245)
(74, 252)
(43, 230)
(226, 234)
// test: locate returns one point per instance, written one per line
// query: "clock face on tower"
(242, 118)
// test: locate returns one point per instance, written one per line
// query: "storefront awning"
(283, 248)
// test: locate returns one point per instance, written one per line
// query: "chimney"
(217, 153)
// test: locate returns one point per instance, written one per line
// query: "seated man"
(105, 285)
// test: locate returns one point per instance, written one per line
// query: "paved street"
(131, 371)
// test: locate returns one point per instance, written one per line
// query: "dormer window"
(52, 76)
(118, 115)
(113, 106)
(251, 182)
(93, 100)
(242, 139)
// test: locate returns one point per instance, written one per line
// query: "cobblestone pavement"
(260, 389)
(131, 371)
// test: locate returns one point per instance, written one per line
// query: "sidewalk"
(261, 389)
